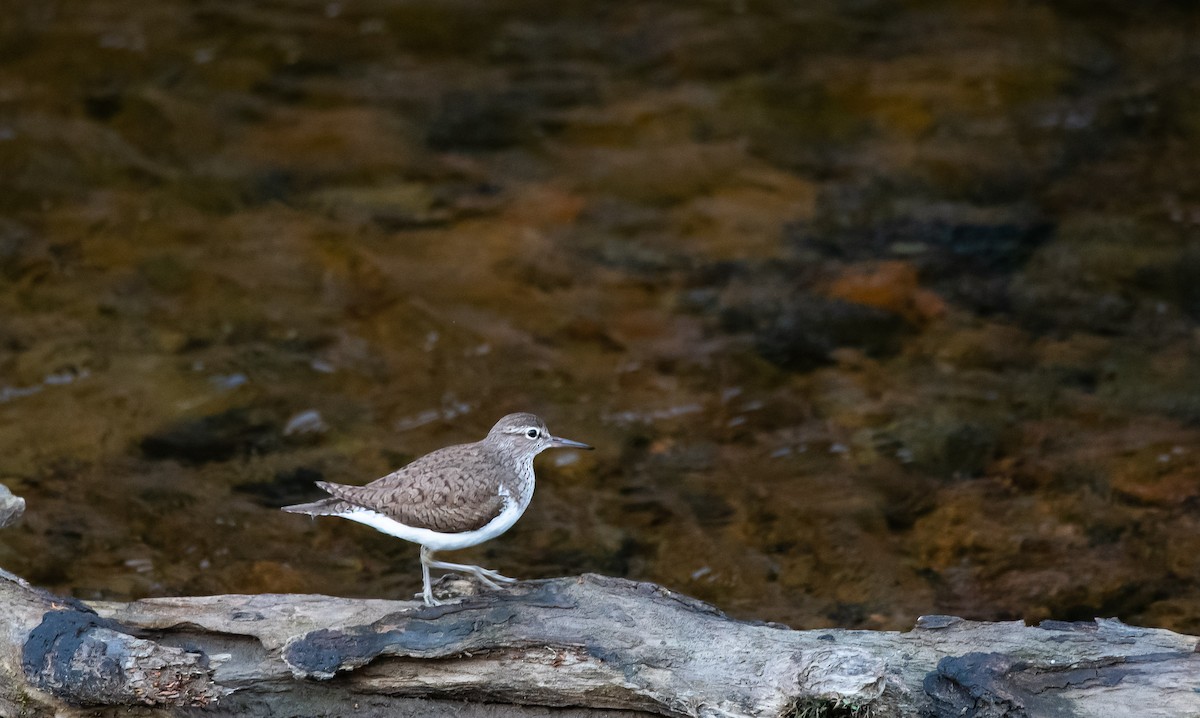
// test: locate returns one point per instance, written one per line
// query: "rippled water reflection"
(873, 310)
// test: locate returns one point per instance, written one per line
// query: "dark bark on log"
(589, 644)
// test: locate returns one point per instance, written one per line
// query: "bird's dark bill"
(567, 443)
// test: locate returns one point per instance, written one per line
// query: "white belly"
(436, 540)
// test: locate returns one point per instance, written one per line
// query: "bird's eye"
(533, 433)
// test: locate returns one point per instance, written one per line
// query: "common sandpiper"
(451, 498)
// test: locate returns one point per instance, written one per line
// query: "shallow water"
(873, 310)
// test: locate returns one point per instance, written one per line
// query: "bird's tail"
(332, 506)
(323, 507)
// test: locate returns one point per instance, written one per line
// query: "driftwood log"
(587, 644)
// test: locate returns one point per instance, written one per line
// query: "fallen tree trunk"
(591, 643)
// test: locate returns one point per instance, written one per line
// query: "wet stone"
(11, 507)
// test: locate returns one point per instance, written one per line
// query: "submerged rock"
(804, 333)
(968, 261)
(288, 486)
(236, 432)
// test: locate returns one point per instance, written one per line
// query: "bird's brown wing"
(448, 491)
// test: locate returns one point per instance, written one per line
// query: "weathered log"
(590, 643)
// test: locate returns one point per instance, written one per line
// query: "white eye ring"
(533, 433)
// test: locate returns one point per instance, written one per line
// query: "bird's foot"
(427, 597)
(492, 579)
(486, 581)
(486, 576)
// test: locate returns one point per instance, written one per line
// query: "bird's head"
(527, 434)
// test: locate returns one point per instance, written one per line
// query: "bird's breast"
(521, 488)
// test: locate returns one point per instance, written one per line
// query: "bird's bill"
(559, 442)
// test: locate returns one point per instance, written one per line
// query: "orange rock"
(1171, 486)
(890, 285)
(544, 205)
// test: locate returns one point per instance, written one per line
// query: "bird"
(451, 498)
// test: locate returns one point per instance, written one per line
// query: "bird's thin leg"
(487, 576)
(427, 593)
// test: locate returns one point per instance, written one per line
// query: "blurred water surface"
(873, 309)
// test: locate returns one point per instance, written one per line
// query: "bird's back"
(451, 490)
(441, 466)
